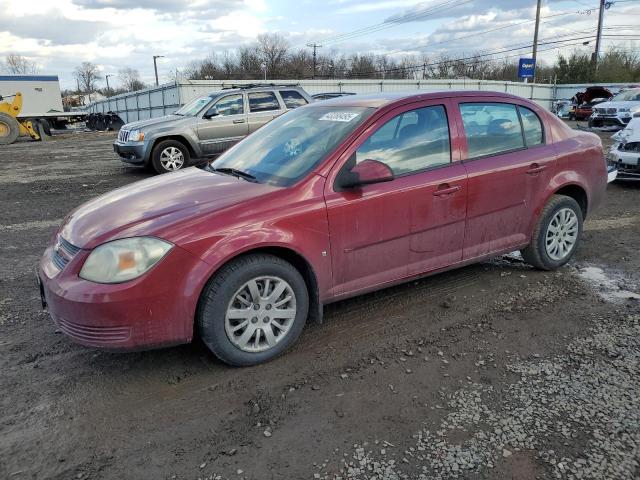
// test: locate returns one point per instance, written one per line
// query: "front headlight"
(122, 260)
(136, 136)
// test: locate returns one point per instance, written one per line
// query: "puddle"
(607, 285)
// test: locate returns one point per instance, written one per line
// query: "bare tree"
(19, 65)
(87, 75)
(273, 49)
(130, 79)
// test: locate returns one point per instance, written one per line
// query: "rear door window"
(411, 141)
(491, 128)
(263, 101)
(532, 126)
(292, 99)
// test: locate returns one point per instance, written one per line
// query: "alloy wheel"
(172, 158)
(562, 234)
(260, 314)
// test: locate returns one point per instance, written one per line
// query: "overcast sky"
(60, 34)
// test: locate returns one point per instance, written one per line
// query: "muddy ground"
(492, 371)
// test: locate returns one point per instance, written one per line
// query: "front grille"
(123, 135)
(630, 147)
(63, 253)
(606, 111)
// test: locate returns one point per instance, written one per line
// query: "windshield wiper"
(235, 172)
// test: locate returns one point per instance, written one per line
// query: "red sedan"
(328, 201)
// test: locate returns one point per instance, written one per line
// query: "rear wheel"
(9, 129)
(169, 156)
(253, 310)
(556, 235)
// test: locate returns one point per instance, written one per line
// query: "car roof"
(382, 99)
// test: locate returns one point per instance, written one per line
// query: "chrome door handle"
(445, 189)
(239, 120)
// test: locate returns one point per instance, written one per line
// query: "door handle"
(239, 120)
(534, 169)
(445, 189)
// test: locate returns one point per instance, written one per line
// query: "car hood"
(149, 206)
(618, 105)
(631, 133)
(153, 122)
(592, 93)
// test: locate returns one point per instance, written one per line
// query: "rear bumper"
(154, 310)
(135, 154)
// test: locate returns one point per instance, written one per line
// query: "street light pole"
(155, 66)
(603, 6)
(106, 77)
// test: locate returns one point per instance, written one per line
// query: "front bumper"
(154, 310)
(603, 121)
(136, 154)
(627, 163)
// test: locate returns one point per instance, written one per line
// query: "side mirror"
(212, 112)
(366, 173)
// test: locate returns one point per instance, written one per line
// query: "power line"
(425, 12)
(476, 57)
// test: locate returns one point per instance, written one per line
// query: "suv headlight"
(122, 260)
(136, 136)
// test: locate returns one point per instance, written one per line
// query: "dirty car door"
(388, 231)
(222, 124)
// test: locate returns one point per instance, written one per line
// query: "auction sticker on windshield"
(339, 116)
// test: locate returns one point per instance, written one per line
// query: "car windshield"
(629, 95)
(194, 106)
(289, 147)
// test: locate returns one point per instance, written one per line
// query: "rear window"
(292, 99)
(491, 128)
(263, 101)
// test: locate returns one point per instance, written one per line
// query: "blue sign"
(526, 68)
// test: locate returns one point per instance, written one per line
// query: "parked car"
(585, 101)
(618, 111)
(328, 95)
(206, 126)
(331, 200)
(624, 154)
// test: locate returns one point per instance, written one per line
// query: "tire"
(549, 257)
(165, 157)
(42, 128)
(9, 129)
(220, 296)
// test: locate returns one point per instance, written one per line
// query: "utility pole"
(315, 46)
(535, 40)
(106, 77)
(603, 5)
(155, 66)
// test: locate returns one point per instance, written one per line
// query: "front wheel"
(169, 156)
(556, 236)
(253, 309)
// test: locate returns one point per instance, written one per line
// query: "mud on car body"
(328, 201)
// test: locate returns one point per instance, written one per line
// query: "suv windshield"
(194, 106)
(629, 95)
(287, 148)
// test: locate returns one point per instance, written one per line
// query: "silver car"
(205, 126)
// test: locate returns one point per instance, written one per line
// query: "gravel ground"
(488, 372)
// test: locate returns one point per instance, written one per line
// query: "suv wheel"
(556, 235)
(169, 156)
(253, 309)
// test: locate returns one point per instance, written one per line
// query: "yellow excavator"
(11, 126)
